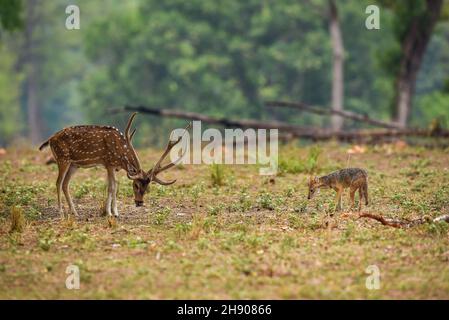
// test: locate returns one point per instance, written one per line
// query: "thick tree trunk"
(32, 102)
(413, 48)
(337, 66)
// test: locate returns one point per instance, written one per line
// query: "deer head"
(142, 179)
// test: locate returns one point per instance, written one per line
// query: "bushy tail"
(44, 145)
(365, 192)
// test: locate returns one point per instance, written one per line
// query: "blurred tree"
(222, 59)
(10, 14)
(209, 57)
(414, 24)
(30, 62)
(10, 123)
(338, 53)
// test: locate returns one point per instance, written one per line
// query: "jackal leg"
(352, 191)
(361, 196)
(63, 168)
(338, 199)
(65, 188)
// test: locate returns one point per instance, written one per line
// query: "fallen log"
(290, 131)
(343, 113)
(404, 223)
(243, 123)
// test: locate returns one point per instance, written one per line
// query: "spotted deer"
(90, 145)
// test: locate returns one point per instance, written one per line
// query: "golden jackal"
(352, 178)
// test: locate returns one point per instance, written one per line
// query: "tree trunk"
(413, 48)
(31, 86)
(249, 89)
(337, 66)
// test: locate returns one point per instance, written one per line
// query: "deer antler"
(128, 126)
(157, 167)
(128, 138)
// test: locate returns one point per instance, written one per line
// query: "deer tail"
(44, 145)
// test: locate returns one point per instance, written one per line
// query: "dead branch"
(291, 131)
(397, 223)
(343, 113)
(243, 123)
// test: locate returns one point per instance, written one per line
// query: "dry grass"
(251, 237)
(17, 220)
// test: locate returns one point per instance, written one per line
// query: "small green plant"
(46, 239)
(217, 174)
(295, 222)
(183, 228)
(290, 191)
(195, 191)
(82, 191)
(265, 201)
(23, 195)
(215, 210)
(161, 190)
(136, 243)
(161, 216)
(437, 229)
(288, 242)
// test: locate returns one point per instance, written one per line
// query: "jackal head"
(313, 185)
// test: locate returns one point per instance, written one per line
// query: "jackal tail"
(365, 192)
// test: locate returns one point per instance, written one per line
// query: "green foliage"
(46, 239)
(202, 56)
(10, 80)
(433, 106)
(161, 216)
(10, 10)
(293, 165)
(265, 201)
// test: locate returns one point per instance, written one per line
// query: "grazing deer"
(89, 146)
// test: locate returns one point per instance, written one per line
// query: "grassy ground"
(252, 237)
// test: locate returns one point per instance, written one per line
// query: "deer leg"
(65, 188)
(112, 178)
(63, 168)
(110, 192)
